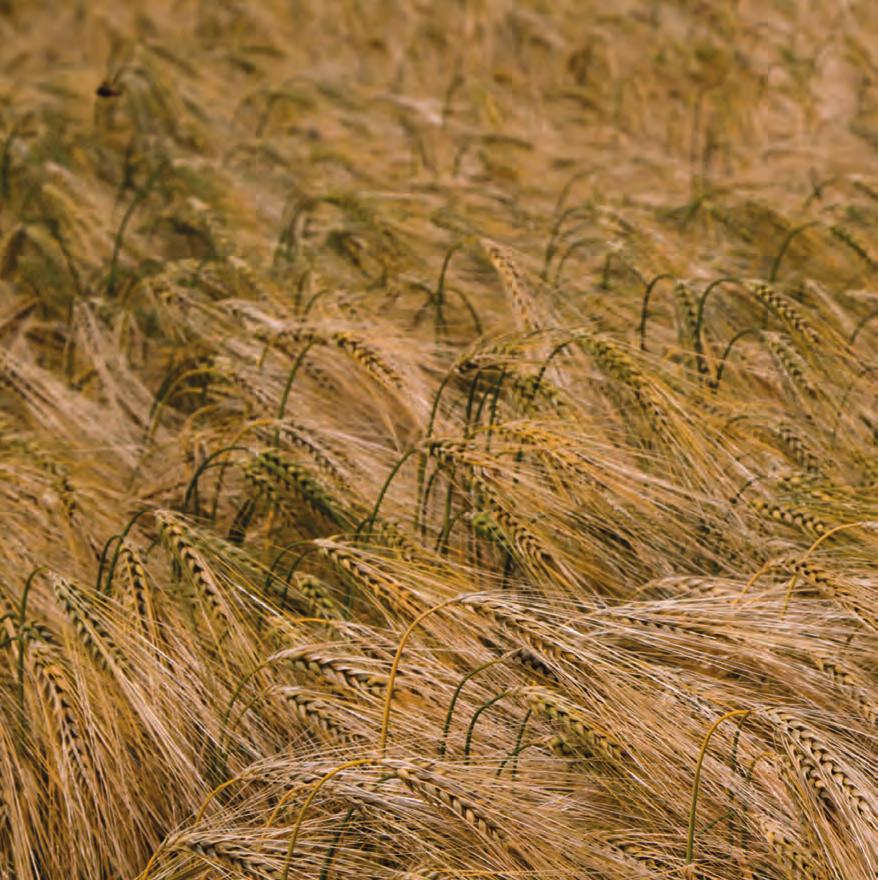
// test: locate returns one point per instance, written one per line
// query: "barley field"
(438, 440)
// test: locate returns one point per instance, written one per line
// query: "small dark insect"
(110, 86)
(107, 90)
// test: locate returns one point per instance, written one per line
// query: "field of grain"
(438, 440)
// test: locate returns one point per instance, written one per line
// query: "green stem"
(542, 372)
(554, 235)
(699, 320)
(425, 500)
(775, 266)
(103, 558)
(449, 498)
(472, 725)
(722, 362)
(333, 847)
(644, 309)
(313, 299)
(293, 567)
(373, 516)
(286, 393)
(440, 287)
(422, 464)
(518, 749)
(690, 838)
(862, 324)
(579, 243)
(445, 534)
(568, 187)
(139, 197)
(22, 640)
(470, 400)
(192, 488)
(121, 536)
(456, 695)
